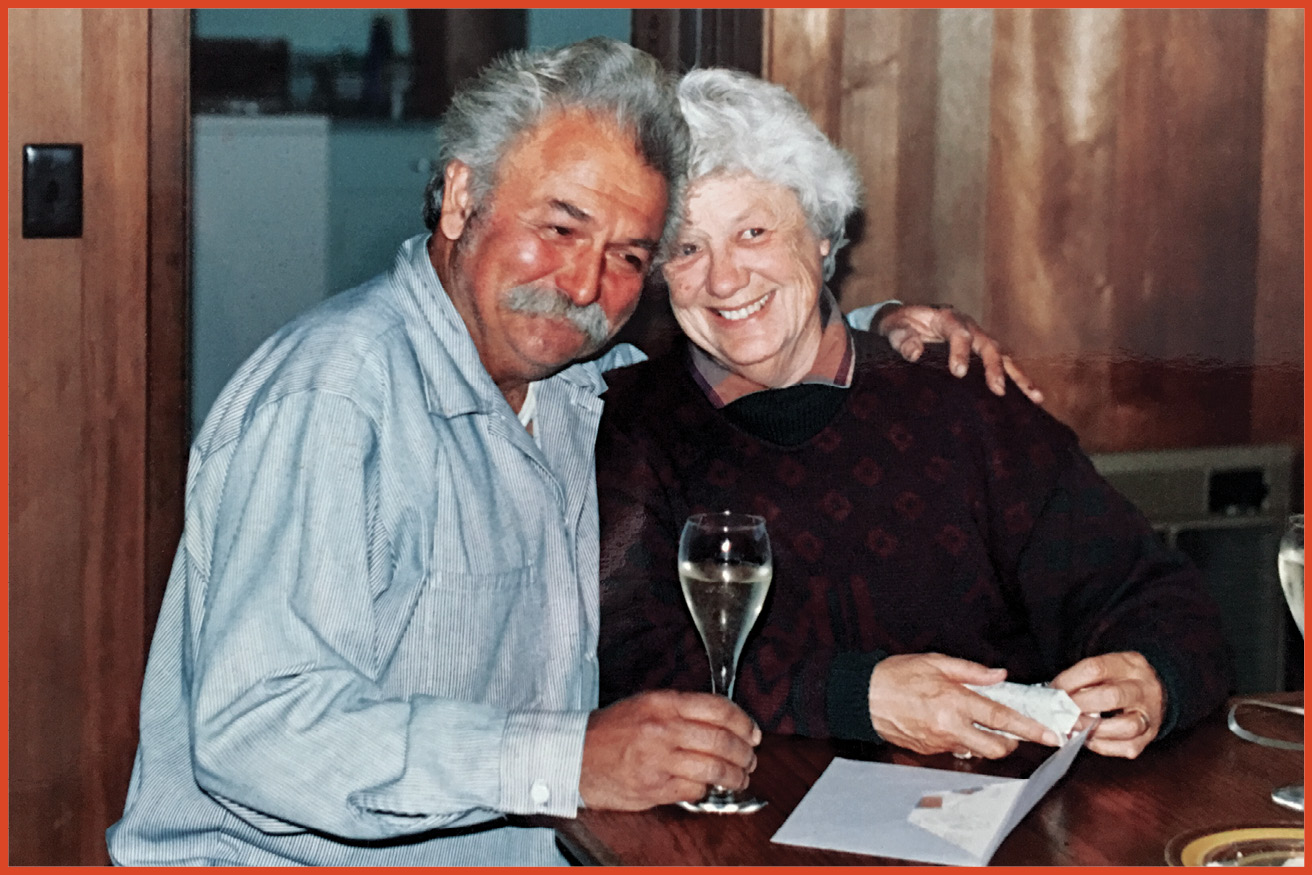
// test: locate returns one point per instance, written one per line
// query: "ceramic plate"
(1264, 845)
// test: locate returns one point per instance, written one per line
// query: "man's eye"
(562, 231)
(637, 262)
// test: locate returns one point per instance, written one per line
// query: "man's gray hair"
(742, 124)
(514, 93)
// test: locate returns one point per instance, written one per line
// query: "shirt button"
(540, 793)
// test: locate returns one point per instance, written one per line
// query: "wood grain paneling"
(872, 127)
(1184, 236)
(961, 156)
(113, 346)
(1050, 211)
(685, 38)
(46, 528)
(79, 449)
(1278, 342)
(1102, 184)
(888, 87)
(803, 51)
(167, 393)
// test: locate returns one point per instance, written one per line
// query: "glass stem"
(722, 678)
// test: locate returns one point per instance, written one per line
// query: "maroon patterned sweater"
(914, 512)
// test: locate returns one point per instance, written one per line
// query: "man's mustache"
(589, 319)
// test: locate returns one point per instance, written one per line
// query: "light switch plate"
(52, 190)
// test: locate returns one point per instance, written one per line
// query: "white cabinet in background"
(287, 210)
(377, 174)
(259, 237)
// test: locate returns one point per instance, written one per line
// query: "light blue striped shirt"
(380, 629)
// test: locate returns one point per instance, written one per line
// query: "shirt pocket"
(472, 635)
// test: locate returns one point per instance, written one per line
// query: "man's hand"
(661, 747)
(1124, 684)
(909, 327)
(917, 701)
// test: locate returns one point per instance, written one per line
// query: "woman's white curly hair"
(742, 124)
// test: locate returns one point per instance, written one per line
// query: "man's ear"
(457, 200)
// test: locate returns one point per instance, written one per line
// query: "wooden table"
(1105, 811)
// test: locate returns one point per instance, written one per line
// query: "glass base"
(1290, 796)
(717, 801)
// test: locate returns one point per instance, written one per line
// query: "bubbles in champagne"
(725, 600)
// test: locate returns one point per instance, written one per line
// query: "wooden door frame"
(97, 412)
(168, 298)
(685, 38)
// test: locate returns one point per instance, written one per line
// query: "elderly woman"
(927, 534)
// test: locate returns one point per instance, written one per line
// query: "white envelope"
(865, 808)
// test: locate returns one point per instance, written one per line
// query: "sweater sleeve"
(1096, 579)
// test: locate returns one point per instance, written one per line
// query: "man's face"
(552, 263)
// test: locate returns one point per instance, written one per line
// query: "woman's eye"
(686, 249)
(753, 233)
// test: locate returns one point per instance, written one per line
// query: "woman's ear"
(457, 200)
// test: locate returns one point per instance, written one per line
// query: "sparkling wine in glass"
(1290, 559)
(725, 569)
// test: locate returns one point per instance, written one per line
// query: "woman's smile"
(748, 310)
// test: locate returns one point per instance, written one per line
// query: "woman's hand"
(909, 327)
(918, 701)
(1125, 685)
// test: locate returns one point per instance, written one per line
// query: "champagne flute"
(725, 569)
(1290, 559)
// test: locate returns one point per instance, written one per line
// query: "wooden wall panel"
(961, 156)
(46, 528)
(113, 347)
(803, 51)
(80, 456)
(1049, 215)
(1189, 177)
(167, 395)
(887, 122)
(871, 126)
(1279, 312)
(1185, 233)
(1102, 183)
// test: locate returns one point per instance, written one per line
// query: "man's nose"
(580, 280)
(725, 276)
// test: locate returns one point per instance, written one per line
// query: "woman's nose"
(726, 276)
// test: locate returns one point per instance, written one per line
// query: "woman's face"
(745, 278)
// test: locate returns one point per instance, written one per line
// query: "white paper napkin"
(1053, 708)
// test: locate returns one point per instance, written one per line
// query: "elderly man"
(378, 639)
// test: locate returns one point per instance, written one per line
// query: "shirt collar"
(833, 365)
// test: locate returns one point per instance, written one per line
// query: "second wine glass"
(1290, 559)
(725, 567)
